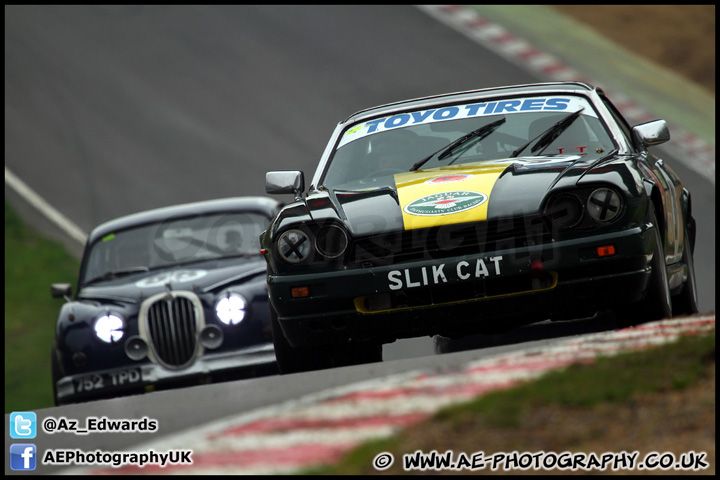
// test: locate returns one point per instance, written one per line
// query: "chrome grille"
(171, 322)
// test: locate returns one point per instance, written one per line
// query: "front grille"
(171, 322)
(450, 240)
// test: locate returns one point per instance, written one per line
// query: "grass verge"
(32, 263)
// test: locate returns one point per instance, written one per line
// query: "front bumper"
(487, 292)
(250, 361)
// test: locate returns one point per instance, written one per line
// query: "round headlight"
(565, 210)
(294, 246)
(230, 309)
(603, 204)
(331, 241)
(110, 328)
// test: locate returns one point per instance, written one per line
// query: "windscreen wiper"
(549, 135)
(117, 273)
(475, 136)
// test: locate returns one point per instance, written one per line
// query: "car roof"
(263, 205)
(471, 95)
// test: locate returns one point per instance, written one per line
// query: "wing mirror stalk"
(61, 290)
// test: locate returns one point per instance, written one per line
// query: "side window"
(621, 122)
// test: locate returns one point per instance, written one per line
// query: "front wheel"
(297, 359)
(356, 353)
(55, 373)
(302, 359)
(657, 303)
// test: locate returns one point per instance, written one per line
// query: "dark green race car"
(475, 212)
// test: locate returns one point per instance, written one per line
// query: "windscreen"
(177, 241)
(380, 148)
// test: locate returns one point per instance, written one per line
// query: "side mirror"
(61, 290)
(287, 181)
(652, 133)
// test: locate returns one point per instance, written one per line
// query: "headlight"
(603, 204)
(331, 241)
(294, 246)
(230, 308)
(566, 210)
(110, 328)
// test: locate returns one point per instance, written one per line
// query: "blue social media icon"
(23, 425)
(23, 456)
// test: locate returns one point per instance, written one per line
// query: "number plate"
(478, 269)
(102, 381)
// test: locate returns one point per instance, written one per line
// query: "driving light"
(211, 337)
(136, 348)
(294, 246)
(230, 309)
(109, 328)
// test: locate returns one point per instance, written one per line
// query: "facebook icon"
(23, 456)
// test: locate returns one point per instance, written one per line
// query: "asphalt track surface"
(112, 110)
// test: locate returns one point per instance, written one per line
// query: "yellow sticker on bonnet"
(444, 196)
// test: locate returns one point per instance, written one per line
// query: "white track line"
(67, 226)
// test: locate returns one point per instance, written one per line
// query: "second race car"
(167, 297)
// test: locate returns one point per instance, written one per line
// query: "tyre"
(685, 302)
(297, 359)
(55, 373)
(657, 303)
(356, 353)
